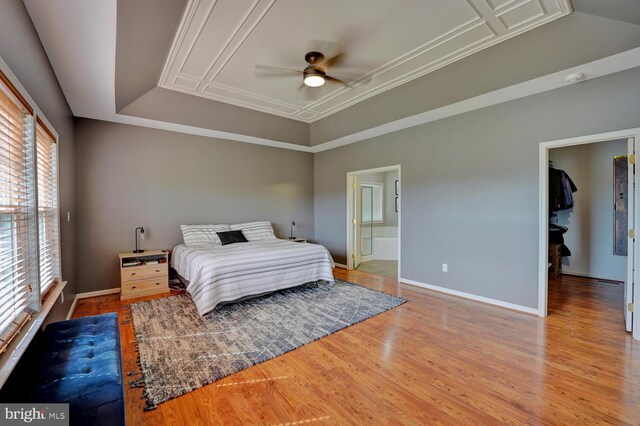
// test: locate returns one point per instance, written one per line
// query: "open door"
(357, 214)
(366, 221)
(630, 275)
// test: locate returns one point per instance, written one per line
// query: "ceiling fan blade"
(333, 61)
(268, 69)
(337, 80)
(267, 75)
(305, 93)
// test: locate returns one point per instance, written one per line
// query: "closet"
(561, 189)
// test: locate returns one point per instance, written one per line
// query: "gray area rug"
(181, 351)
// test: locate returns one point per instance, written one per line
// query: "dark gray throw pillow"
(230, 237)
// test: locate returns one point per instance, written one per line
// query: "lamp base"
(138, 251)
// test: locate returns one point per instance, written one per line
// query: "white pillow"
(255, 231)
(199, 235)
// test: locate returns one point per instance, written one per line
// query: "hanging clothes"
(561, 189)
(556, 236)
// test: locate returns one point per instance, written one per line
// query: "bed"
(221, 273)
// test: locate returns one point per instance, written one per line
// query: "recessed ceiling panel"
(385, 43)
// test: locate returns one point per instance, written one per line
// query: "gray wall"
(590, 221)
(130, 176)
(175, 107)
(390, 214)
(470, 185)
(21, 49)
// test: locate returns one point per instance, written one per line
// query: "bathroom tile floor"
(382, 268)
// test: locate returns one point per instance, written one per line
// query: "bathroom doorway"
(373, 209)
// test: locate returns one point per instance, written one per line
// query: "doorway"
(373, 221)
(578, 276)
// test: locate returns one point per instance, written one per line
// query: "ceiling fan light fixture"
(313, 76)
(314, 80)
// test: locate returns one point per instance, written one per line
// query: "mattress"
(218, 273)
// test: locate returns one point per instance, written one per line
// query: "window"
(47, 206)
(29, 260)
(372, 206)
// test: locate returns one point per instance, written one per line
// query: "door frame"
(351, 243)
(543, 213)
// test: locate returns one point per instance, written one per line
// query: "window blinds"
(47, 206)
(17, 224)
(29, 226)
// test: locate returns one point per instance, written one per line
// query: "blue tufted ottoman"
(76, 362)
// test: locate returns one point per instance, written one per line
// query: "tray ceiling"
(219, 42)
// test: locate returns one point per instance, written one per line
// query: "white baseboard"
(88, 295)
(98, 293)
(474, 297)
(340, 265)
(73, 307)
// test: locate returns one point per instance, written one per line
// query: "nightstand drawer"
(144, 272)
(144, 285)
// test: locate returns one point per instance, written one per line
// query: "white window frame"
(56, 213)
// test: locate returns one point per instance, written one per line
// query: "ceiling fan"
(314, 75)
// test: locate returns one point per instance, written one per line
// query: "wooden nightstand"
(298, 240)
(144, 274)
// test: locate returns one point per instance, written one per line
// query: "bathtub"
(385, 244)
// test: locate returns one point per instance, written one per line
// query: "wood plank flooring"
(435, 360)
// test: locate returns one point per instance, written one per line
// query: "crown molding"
(595, 69)
(599, 68)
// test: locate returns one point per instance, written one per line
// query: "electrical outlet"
(445, 267)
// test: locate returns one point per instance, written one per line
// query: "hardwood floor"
(435, 360)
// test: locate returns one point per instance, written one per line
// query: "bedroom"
(136, 151)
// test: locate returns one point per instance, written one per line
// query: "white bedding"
(218, 273)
